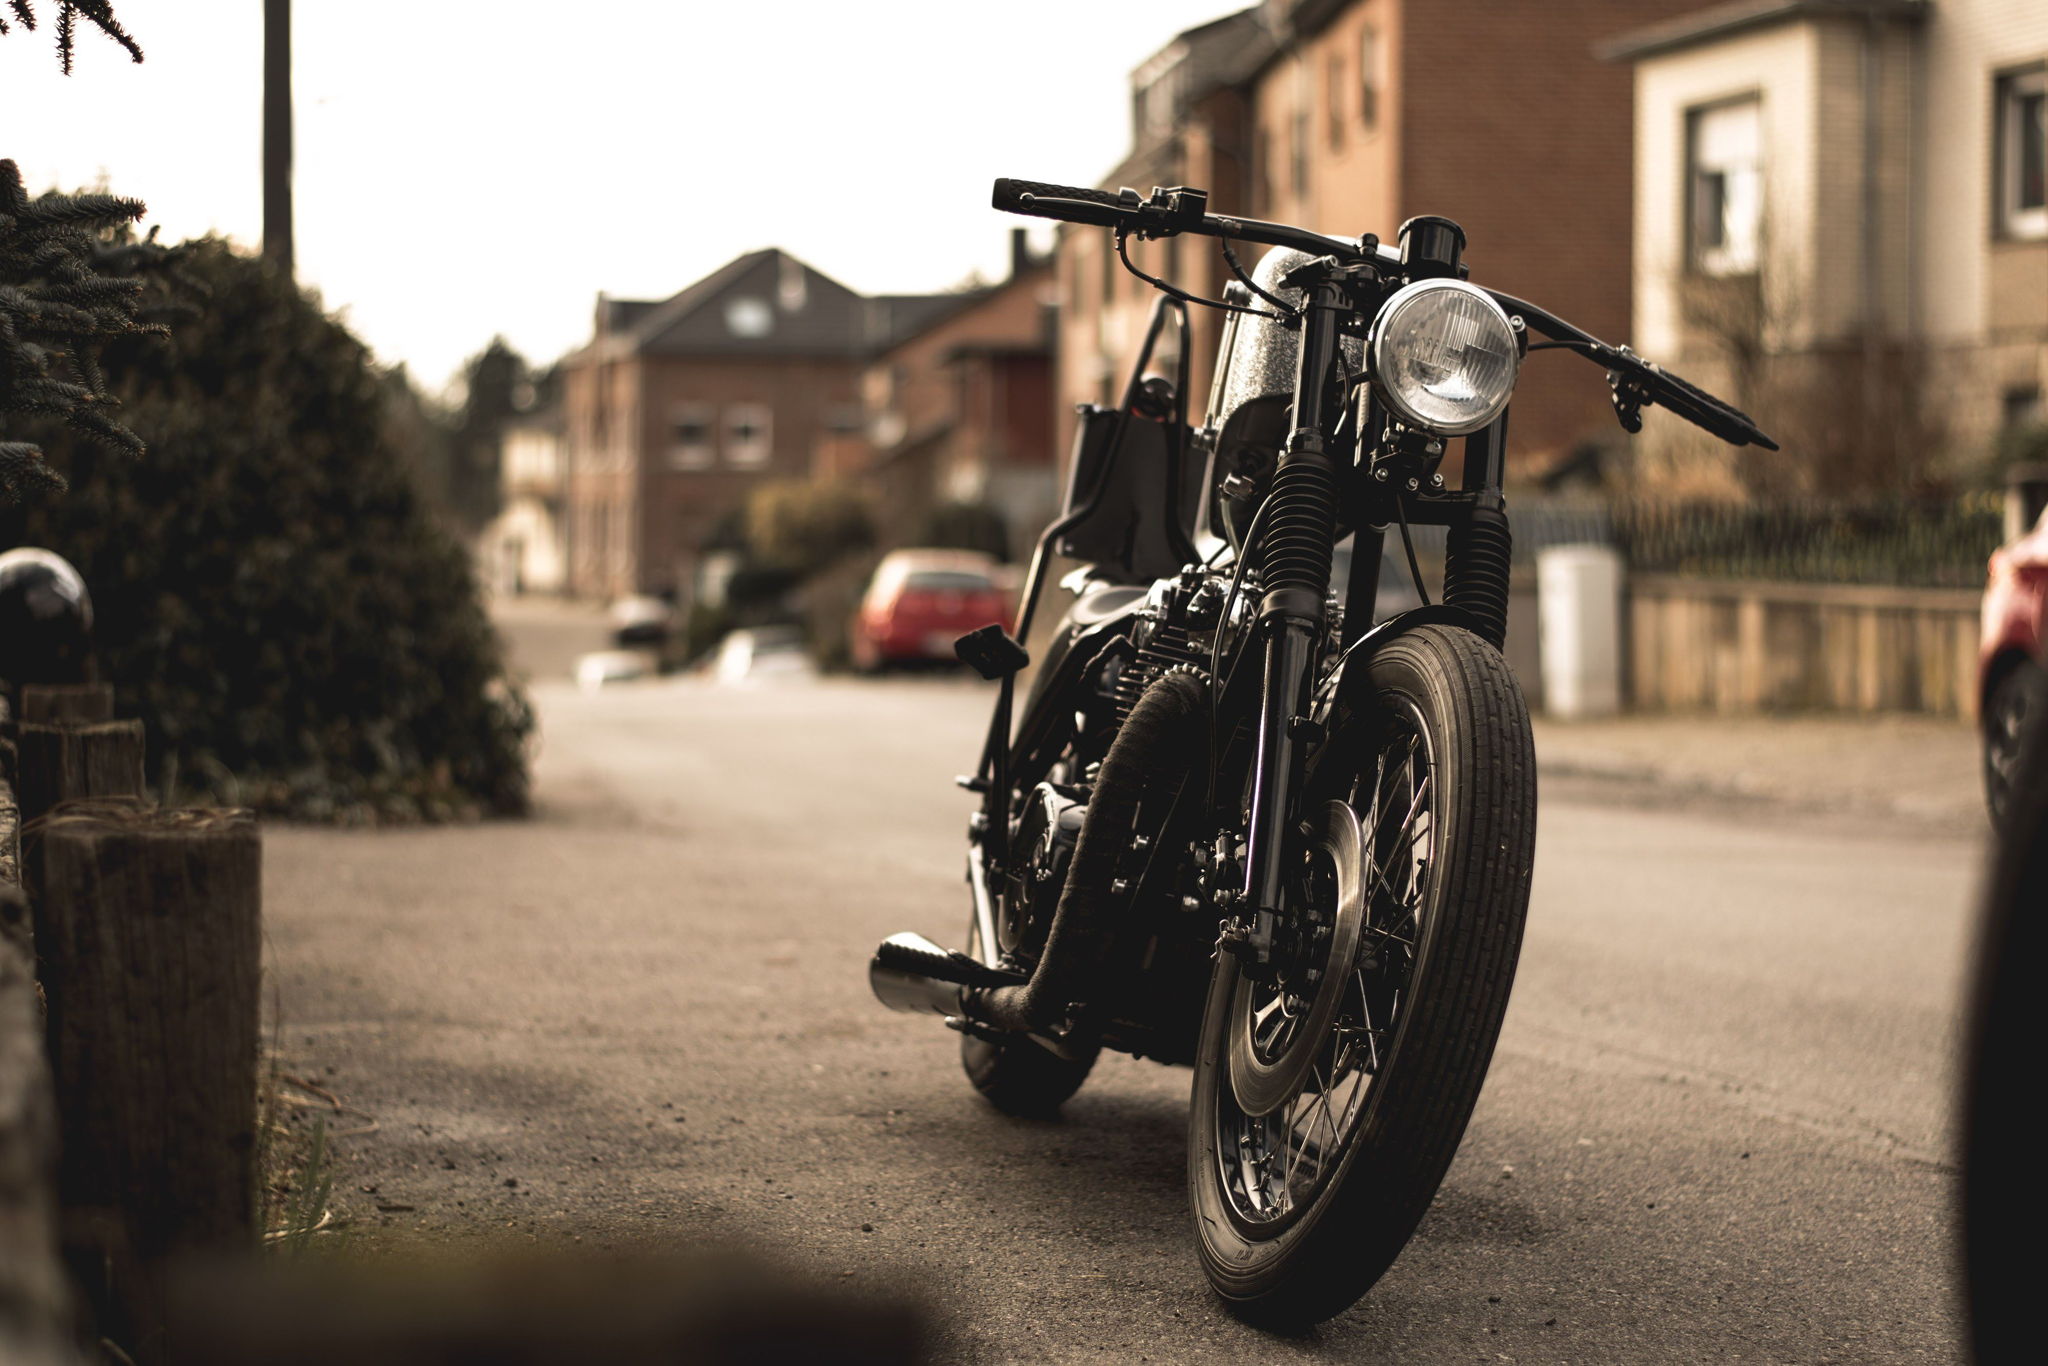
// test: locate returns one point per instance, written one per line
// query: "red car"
(2012, 668)
(920, 601)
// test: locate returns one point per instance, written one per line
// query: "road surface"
(1716, 1128)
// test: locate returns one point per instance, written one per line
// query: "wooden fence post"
(35, 1317)
(67, 704)
(147, 923)
(70, 762)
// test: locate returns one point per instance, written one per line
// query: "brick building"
(1349, 116)
(1842, 218)
(960, 411)
(676, 408)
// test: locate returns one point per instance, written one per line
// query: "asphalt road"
(1715, 1129)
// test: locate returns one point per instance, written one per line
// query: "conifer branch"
(72, 279)
(99, 13)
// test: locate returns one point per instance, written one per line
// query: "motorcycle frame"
(1290, 627)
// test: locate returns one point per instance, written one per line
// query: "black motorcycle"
(1239, 823)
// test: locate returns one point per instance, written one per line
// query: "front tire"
(1300, 1209)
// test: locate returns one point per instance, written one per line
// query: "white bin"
(1579, 601)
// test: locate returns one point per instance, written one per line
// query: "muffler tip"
(901, 976)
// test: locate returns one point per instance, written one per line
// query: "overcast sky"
(466, 167)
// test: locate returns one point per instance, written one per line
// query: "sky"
(466, 168)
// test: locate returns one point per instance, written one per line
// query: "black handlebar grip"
(1099, 207)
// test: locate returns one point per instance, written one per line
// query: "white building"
(523, 550)
(1841, 213)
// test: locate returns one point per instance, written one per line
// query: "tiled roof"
(769, 303)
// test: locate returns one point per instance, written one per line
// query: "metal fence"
(1908, 543)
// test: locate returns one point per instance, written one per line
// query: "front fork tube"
(1276, 770)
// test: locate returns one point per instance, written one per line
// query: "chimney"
(1020, 252)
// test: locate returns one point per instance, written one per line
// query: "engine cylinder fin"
(1167, 646)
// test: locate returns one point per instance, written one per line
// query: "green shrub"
(272, 597)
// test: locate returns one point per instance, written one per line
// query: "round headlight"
(1444, 357)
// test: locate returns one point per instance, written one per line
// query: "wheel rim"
(1274, 1165)
(2004, 733)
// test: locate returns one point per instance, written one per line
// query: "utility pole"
(277, 133)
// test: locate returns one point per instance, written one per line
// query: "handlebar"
(1634, 380)
(1167, 212)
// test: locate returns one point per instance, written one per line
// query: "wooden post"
(147, 923)
(67, 704)
(35, 1317)
(72, 762)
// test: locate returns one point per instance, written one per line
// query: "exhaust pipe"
(911, 973)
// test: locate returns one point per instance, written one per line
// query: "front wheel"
(1328, 1105)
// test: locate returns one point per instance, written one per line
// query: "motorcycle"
(1238, 823)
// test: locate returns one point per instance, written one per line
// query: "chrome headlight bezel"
(1388, 331)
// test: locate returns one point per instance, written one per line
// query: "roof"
(766, 303)
(1736, 16)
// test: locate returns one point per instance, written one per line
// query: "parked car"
(601, 668)
(2012, 663)
(920, 601)
(762, 654)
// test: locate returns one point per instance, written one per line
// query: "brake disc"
(1273, 1044)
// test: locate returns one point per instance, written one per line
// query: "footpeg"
(911, 973)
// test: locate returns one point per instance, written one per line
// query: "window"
(748, 441)
(2022, 407)
(1333, 95)
(1724, 186)
(749, 317)
(1298, 146)
(1262, 171)
(1369, 76)
(2022, 143)
(692, 440)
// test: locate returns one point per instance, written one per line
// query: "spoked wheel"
(1328, 1104)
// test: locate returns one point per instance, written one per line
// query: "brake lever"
(1628, 394)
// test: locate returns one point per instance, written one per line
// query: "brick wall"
(1513, 128)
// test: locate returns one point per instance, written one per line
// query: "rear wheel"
(1018, 1076)
(1327, 1106)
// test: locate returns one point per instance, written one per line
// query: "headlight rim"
(1400, 299)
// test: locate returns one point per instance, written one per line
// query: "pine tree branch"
(99, 13)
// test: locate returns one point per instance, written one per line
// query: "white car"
(762, 654)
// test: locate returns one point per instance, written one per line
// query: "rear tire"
(1449, 849)
(1017, 1076)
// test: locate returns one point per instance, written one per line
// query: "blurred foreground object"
(2012, 667)
(707, 1309)
(2005, 1191)
(45, 619)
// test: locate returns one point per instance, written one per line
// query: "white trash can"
(1579, 606)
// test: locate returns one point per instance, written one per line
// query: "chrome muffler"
(911, 973)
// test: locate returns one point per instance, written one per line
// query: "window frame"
(681, 455)
(2011, 222)
(1371, 81)
(764, 439)
(1697, 263)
